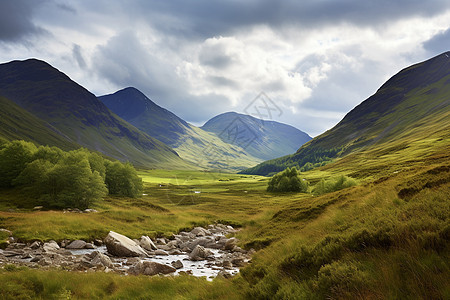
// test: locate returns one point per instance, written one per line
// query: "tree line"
(55, 178)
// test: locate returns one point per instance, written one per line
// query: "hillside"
(261, 139)
(77, 114)
(417, 95)
(193, 144)
(18, 124)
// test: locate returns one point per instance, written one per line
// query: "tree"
(122, 179)
(14, 156)
(287, 181)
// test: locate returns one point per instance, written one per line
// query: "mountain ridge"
(399, 105)
(53, 97)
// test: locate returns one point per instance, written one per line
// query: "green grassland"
(386, 238)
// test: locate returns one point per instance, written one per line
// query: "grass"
(370, 241)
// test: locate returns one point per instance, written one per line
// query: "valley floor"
(387, 238)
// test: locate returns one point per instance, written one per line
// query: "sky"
(304, 63)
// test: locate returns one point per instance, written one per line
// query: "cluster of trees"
(290, 181)
(287, 181)
(58, 179)
(333, 184)
(304, 160)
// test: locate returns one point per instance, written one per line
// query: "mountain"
(413, 104)
(77, 115)
(134, 107)
(18, 124)
(193, 144)
(261, 139)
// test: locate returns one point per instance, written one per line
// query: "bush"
(287, 181)
(122, 179)
(333, 184)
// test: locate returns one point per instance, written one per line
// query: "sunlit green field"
(386, 238)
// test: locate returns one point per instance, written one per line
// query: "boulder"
(96, 259)
(160, 252)
(177, 264)
(199, 253)
(147, 243)
(121, 245)
(151, 268)
(229, 244)
(77, 244)
(199, 231)
(89, 246)
(51, 246)
(35, 245)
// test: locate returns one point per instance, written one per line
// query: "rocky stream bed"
(202, 252)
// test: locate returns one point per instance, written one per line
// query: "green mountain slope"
(261, 139)
(53, 97)
(18, 124)
(414, 100)
(193, 144)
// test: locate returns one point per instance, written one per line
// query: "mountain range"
(41, 104)
(230, 141)
(409, 107)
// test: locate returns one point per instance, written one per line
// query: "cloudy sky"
(312, 60)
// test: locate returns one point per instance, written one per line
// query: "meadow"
(385, 238)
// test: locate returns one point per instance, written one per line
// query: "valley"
(385, 237)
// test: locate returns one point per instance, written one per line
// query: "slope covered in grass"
(417, 96)
(51, 96)
(202, 148)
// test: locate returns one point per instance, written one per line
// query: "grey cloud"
(439, 43)
(78, 56)
(223, 81)
(16, 20)
(124, 61)
(206, 18)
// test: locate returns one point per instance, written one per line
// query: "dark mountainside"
(262, 139)
(417, 93)
(134, 107)
(53, 97)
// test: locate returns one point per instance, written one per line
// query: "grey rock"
(160, 252)
(51, 246)
(121, 245)
(35, 245)
(177, 264)
(146, 243)
(199, 253)
(77, 244)
(151, 268)
(89, 246)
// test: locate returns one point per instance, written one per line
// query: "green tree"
(14, 156)
(287, 181)
(122, 179)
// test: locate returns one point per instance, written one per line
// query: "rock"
(177, 264)
(199, 231)
(35, 259)
(147, 243)
(199, 253)
(237, 262)
(132, 261)
(98, 242)
(35, 245)
(230, 243)
(89, 246)
(38, 207)
(45, 261)
(90, 210)
(77, 244)
(151, 268)
(227, 264)
(120, 245)
(224, 274)
(100, 259)
(51, 246)
(160, 252)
